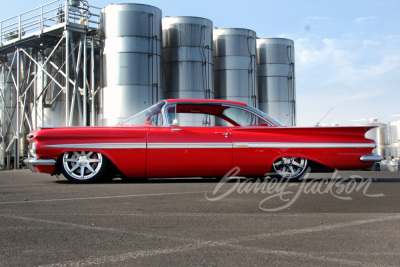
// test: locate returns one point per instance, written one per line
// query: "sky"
(347, 52)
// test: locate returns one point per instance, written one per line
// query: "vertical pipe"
(41, 20)
(19, 27)
(42, 95)
(66, 13)
(92, 114)
(84, 80)
(34, 113)
(16, 157)
(67, 103)
(2, 118)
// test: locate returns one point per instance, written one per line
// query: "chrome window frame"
(247, 108)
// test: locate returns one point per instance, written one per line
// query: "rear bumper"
(32, 163)
(371, 158)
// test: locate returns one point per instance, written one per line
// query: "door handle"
(224, 133)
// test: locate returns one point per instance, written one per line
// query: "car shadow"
(200, 180)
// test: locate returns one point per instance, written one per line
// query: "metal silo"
(235, 65)
(131, 60)
(188, 57)
(276, 79)
(394, 129)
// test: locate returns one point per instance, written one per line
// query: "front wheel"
(83, 166)
(291, 168)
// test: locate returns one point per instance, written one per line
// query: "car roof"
(201, 101)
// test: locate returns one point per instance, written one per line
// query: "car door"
(188, 151)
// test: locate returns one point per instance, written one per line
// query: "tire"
(83, 166)
(291, 168)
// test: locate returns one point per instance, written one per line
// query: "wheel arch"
(313, 163)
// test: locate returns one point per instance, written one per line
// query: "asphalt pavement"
(340, 219)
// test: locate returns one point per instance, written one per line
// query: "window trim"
(248, 109)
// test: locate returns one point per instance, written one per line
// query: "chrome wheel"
(290, 167)
(83, 165)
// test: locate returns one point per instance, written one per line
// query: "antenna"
(323, 117)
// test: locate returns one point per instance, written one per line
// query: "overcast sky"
(347, 51)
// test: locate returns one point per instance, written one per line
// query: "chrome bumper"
(371, 158)
(33, 162)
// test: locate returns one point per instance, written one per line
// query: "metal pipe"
(34, 113)
(42, 86)
(92, 114)
(67, 104)
(16, 157)
(84, 80)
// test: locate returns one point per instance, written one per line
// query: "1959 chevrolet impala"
(196, 138)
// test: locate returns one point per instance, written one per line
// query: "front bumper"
(31, 163)
(371, 158)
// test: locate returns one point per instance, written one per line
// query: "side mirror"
(175, 124)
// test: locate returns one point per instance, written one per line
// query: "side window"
(171, 114)
(243, 117)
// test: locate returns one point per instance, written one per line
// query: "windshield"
(151, 116)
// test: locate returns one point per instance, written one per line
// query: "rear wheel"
(291, 168)
(83, 166)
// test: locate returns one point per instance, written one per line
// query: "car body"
(197, 138)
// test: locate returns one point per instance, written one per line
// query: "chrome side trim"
(302, 145)
(101, 146)
(371, 158)
(211, 145)
(188, 145)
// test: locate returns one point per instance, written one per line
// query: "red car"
(197, 138)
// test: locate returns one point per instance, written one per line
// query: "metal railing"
(35, 21)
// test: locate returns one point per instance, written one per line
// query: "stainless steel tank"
(131, 60)
(276, 79)
(235, 65)
(394, 133)
(188, 57)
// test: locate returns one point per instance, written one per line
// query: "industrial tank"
(394, 130)
(235, 65)
(188, 57)
(132, 50)
(276, 79)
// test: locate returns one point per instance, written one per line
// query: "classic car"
(197, 138)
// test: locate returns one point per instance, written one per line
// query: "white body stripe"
(188, 145)
(101, 145)
(302, 145)
(211, 145)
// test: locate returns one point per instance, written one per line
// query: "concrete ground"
(45, 221)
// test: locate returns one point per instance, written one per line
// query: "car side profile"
(197, 138)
